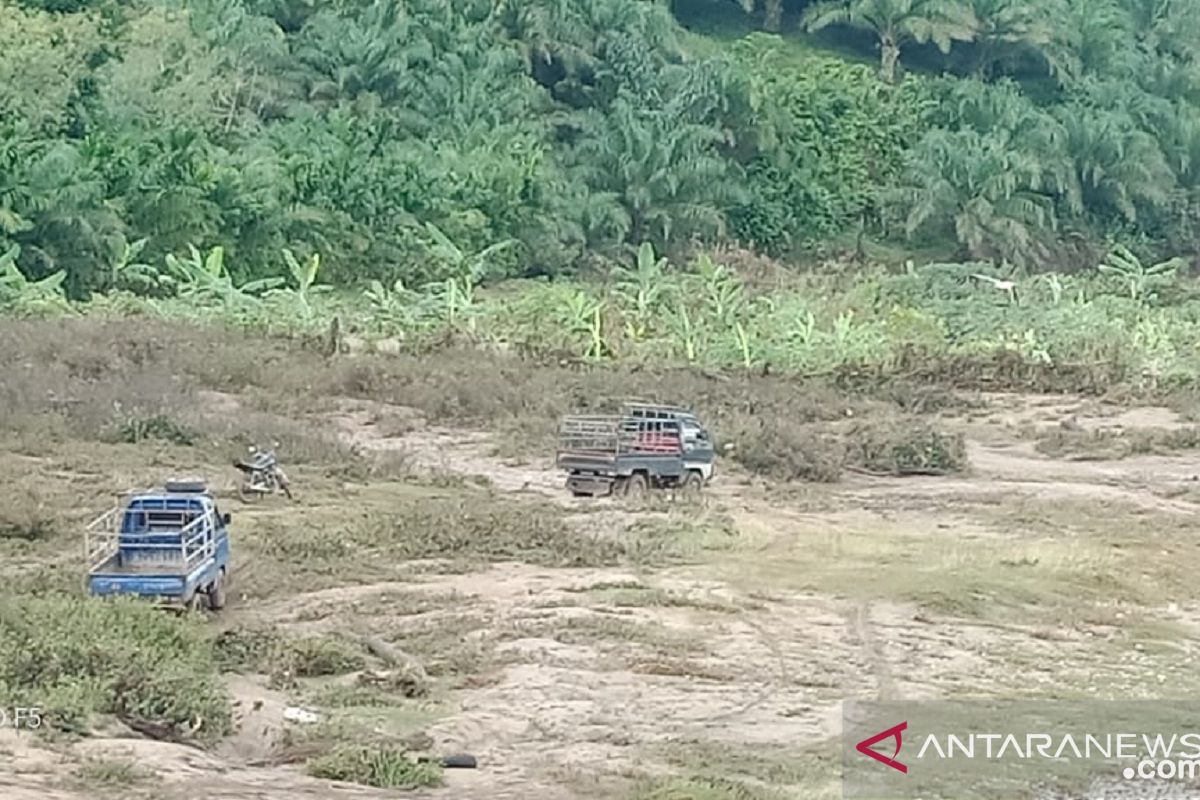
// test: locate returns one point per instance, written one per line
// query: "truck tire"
(635, 486)
(692, 483)
(216, 593)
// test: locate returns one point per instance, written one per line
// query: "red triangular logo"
(864, 747)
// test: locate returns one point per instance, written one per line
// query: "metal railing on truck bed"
(147, 539)
(612, 436)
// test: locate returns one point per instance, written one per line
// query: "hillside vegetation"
(427, 139)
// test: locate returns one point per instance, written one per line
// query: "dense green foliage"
(446, 139)
(74, 659)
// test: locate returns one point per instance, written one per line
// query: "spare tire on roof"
(186, 486)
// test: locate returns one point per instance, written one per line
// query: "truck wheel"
(216, 593)
(692, 483)
(635, 486)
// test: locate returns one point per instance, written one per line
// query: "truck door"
(691, 436)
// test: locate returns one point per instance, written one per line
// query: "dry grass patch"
(110, 378)
(1105, 444)
(631, 594)
(598, 628)
(111, 773)
(723, 770)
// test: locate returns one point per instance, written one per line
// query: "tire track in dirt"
(864, 632)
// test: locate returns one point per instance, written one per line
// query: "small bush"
(111, 773)
(316, 656)
(906, 446)
(790, 452)
(676, 538)
(1116, 443)
(79, 657)
(245, 649)
(24, 516)
(133, 430)
(375, 765)
(260, 650)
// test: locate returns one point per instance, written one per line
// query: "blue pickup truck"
(170, 546)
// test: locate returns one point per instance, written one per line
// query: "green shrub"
(133, 430)
(111, 773)
(261, 650)
(905, 446)
(375, 765)
(78, 657)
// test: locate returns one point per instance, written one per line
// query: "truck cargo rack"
(102, 539)
(612, 436)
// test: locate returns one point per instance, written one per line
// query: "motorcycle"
(262, 475)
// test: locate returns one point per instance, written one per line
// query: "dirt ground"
(1028, 574)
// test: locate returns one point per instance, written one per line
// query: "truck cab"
(169, 545)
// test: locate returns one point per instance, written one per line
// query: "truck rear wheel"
(216, 593)
(635, 485)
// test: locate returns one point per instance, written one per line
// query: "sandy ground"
(770, 639)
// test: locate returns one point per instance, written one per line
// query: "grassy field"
(433, 590)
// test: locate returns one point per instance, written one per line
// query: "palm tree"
(566, 41)
(371, 50)
(661, 168)
(1093, 37)
(989, 194)
(895, 23)
(1121, 168)
(1002, 25)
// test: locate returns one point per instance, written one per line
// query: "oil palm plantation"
(896, 23)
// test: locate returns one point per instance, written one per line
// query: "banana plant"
(22, 294)
(206, 278)
(461, 263)
(722, 291)
(687, 333)
(642, 289)
(394, 309)
(129, 274)
(304, 277)
(1139, 278)
(583, 314)
(746, 341)
(455, 298)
